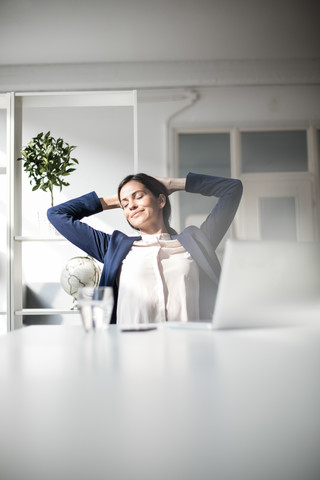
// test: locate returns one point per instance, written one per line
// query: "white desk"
(160, 405)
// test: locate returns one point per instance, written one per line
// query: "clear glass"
(274, 151)
(207, 153)
(278, 220)
(96, 305)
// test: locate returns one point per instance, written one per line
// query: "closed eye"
(136, 195)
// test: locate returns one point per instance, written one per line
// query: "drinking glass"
(96, 305)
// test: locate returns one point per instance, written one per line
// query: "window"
(278, 218)
(277, 167)
(274, 151)
(207, 153)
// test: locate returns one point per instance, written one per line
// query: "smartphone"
(140, 327)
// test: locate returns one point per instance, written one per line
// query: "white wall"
(79, 31)
(254, 107)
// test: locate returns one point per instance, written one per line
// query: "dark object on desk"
(143, 327)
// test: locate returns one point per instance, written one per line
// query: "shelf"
(57, 238)
(46, 311)
(40, 235)
(3, 313)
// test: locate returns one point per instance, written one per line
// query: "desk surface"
(167, 404)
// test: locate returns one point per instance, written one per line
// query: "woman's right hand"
(109, 203)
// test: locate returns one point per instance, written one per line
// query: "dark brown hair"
(156, 188)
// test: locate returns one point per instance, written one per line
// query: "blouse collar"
(156, 237)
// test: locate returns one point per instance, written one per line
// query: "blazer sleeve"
(66, 218)
(228, 191)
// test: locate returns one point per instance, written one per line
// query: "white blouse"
(159, 282)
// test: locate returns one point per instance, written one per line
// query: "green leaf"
(47, 161)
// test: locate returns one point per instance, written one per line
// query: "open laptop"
(265, 284)
(268, 284)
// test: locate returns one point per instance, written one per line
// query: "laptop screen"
(269, 283)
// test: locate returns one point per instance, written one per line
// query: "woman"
(158, 275)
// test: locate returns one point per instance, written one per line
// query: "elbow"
(54, 218)
(51, 214)
(239, 186)
(238, 189)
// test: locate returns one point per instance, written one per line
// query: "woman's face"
(142, 209)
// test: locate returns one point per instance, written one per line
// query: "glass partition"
(207, 153)
(278, 218)
(274, 151)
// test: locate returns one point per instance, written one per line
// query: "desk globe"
(79, 272)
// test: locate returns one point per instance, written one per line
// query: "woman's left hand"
(172, 184)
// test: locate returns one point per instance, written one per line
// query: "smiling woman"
(145, 202)
(159, 275)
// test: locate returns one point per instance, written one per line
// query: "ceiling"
(85, 31)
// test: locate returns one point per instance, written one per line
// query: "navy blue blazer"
(201, 243)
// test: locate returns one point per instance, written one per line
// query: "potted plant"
(47, 162)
